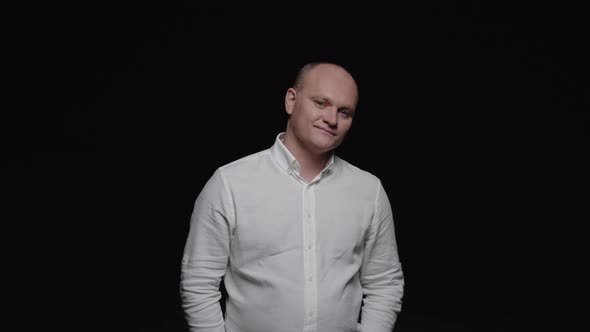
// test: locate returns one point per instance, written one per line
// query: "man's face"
(322, 109)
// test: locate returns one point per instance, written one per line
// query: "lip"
(327, 131)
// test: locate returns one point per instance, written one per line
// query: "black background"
(117, 113)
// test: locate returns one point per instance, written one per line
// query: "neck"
(311, 163)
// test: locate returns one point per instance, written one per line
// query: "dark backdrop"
(117, 113)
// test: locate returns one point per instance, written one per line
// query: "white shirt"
(296, 256)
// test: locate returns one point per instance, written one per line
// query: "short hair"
(298, 82)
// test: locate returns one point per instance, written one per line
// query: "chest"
(271, 222)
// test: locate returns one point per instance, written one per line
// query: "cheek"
(301, 123)
(345, 127)
(305, 119)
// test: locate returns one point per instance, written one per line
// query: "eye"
(346, 113)
(320, 103)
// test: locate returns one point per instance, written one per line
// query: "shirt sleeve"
(205, 257)
(381, 273)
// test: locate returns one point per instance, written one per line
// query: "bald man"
(303, 240)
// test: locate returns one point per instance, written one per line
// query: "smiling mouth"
(324, 130)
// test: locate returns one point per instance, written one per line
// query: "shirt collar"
(286, 159)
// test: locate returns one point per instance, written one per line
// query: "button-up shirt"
(296, 256)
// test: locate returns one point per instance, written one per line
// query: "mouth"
(326, 131)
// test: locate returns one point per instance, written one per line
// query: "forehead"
(331, 81)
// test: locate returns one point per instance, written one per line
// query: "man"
(301, 237)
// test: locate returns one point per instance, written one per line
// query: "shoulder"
(356, 174)
(246, 164)
(358, 182)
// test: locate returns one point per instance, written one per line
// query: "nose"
(331, 117)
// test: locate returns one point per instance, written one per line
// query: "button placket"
(310, 206)
(310, 259)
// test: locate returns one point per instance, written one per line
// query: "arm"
(205, 257)
(381, 274)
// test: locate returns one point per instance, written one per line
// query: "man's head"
(321, 106)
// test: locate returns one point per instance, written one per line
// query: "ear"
(290, 100)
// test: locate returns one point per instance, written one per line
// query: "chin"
(322, 143)
(322, 148)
